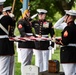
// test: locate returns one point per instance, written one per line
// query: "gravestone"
(31, 70)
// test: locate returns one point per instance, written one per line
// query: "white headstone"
(31, 70)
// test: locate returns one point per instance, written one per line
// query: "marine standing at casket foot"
(68, 42)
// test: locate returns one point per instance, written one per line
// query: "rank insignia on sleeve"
(20, 26)
(65, 34)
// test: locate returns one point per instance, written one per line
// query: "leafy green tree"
(55, 8)
(52, 6)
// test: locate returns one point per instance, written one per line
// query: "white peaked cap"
(2, 2)
(41, 11)
(71, 12)
(7, 8)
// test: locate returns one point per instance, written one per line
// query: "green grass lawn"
(56, 55)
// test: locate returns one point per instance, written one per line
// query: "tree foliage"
(55, 8)
(52, 6)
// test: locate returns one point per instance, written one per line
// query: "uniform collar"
(42, 20)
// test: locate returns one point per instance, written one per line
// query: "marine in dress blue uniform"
(68, 51)
(42, 29)
(5, 51)
(26, 47)
(7, 11)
